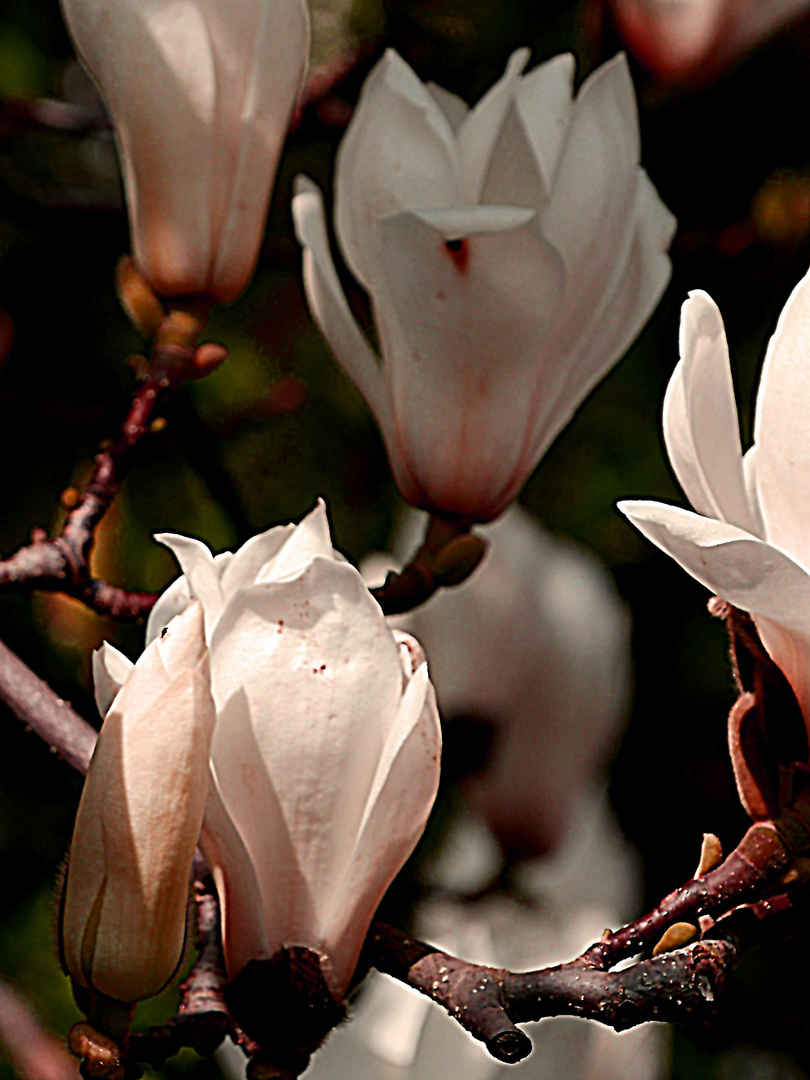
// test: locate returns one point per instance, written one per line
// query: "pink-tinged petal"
(276, 71)
(251, 838)
(397, 809)
(240, 898)
(453, 107)
(780, 431)
(322, 643)
(252, 556)
(545, 103)
(328, 302)
(478, 134)
(310, 540)
(591, 210)
(790, 650)
(747, 572)
(701, 427)
(156, 68)
(608, 324)
(200, 571)
(126, 894)
(398, 153)
(110, 671)
(463, 325)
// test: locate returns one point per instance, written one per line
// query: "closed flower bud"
(123, 918)
(512, 252)
(200, 94)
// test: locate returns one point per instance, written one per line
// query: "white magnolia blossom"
(200, 93)
(678, 39)
(512, 252)
(749, 540)
(537, 643)
(395, 1033)
(123, 922)
(325, 755)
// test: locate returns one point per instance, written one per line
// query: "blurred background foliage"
(280, 424)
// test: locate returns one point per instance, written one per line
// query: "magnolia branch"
(741, 903)
(62, 564)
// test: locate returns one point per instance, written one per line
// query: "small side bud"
(100, 1056)
(138, 299)
(207, 359)
(711, 854)
(678, 935)
(457, 560)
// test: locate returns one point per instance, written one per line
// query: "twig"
(63, 564)
(39, 708)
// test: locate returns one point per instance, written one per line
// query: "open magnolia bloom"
(123, 917)
(748, 541)
(536, 647)
(512, 252)
(200, 94)
(325, 756)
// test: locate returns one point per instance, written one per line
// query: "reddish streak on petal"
(459, 252)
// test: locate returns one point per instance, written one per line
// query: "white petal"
(747, 572)
(172, 601)
(398, 153)
(276, 69)
(200, 571)
(700, 418)
(462, 327)
(513, 176)
(478, 134)
(585, 346)
(110, 671)
(545, 103)
(155, 67)
(252, 556)
(780, 432)
(268, 901)
(310, 540)
(590, 215)
(328, 303)
(453, 107)
(396, 811)
(322, 643)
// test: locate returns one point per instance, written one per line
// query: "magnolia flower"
(123, 920)
(535, 644)
(200, 94)
(683, 39)
(512, 252)
(325, 756)
(395, 1032)
(748, 540)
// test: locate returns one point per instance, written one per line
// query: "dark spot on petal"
(459, 252)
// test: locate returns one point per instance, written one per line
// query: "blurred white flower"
(536, 643)
(325, 755)
(200, 94)
(397, 1034)
(751, 545)
(512, 252)
(123, 919)
(697, 39)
